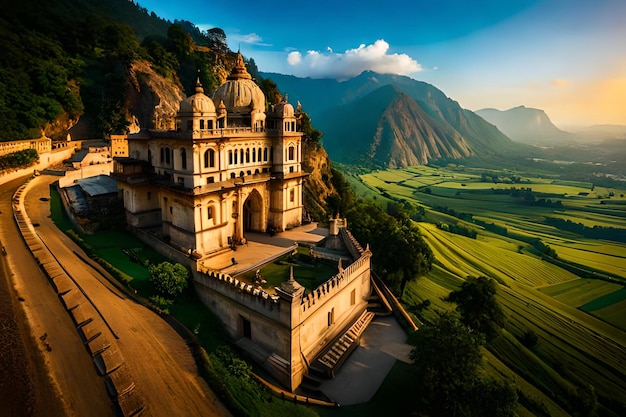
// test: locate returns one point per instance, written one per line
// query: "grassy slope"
(574, 348)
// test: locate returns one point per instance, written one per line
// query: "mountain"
(526, 125)
(601, 133)
(391, 121)
(401, 133)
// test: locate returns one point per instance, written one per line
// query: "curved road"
(158, 359)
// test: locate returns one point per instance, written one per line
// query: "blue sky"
(567, 57)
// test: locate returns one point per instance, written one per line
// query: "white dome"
(197, 103)
(284, 110)
(239, 93)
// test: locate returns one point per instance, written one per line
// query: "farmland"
(558, 250)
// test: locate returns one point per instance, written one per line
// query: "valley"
(557, 248)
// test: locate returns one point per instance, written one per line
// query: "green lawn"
(310, 273)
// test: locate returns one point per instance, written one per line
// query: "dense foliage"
(65, 59)
(447, 357)
(400, 254)
(478, 306)
(169, 279)
(19, 159)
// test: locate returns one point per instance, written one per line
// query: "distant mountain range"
(392, 121)
(527, 125)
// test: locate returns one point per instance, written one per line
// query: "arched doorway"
(253, 213)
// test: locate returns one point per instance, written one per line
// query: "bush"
(169, 279)
(162, 303)
(529, 339)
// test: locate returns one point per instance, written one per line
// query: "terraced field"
(580, 321)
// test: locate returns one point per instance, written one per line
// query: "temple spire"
(239, 71)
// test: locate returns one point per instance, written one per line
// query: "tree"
(169, 279)
(447, 357)
(400, 253)
(217, 39)
(478, 306)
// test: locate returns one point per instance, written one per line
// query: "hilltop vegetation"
(68, 59)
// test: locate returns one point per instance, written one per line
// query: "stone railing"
(238, 291)
(336, 283)
(354, 247)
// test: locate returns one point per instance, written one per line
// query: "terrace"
(266, 261)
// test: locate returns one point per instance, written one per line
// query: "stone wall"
(42, 145)
(294, 330)
(45, 160)
(71, 177)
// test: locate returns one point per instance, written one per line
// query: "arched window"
(241, 155)
(209, 158)
(232, 175)
(168, 156)
(265, 154)
(230, 157)
(209, 211)
(183, 158)
(259, 154)
(235, 157)
(292, 153)
(149, 156)
(253, 155)
(247, 155)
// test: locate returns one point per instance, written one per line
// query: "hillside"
(401, 121)
(401, 133)
(526, 125)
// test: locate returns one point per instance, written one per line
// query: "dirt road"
(157, 358)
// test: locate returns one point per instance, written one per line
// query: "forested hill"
(68, 58)
(92, 68)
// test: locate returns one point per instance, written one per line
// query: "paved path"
(361, 375)
(158, 358)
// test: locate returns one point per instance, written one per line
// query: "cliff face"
(318, 186)
(406, 135)
(153, 101)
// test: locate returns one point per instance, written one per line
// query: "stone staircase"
(333, 357)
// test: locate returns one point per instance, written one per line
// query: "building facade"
(231, 166)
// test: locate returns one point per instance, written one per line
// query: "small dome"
(197, 103)
(284, 110)
(239, 93)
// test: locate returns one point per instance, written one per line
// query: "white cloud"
(374, 57)
(249, 38)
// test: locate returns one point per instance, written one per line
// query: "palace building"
(233, 166)
(228, 168)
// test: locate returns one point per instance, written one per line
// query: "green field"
(580, 321)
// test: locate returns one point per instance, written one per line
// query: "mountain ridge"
(526, 125)
(452, 132)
